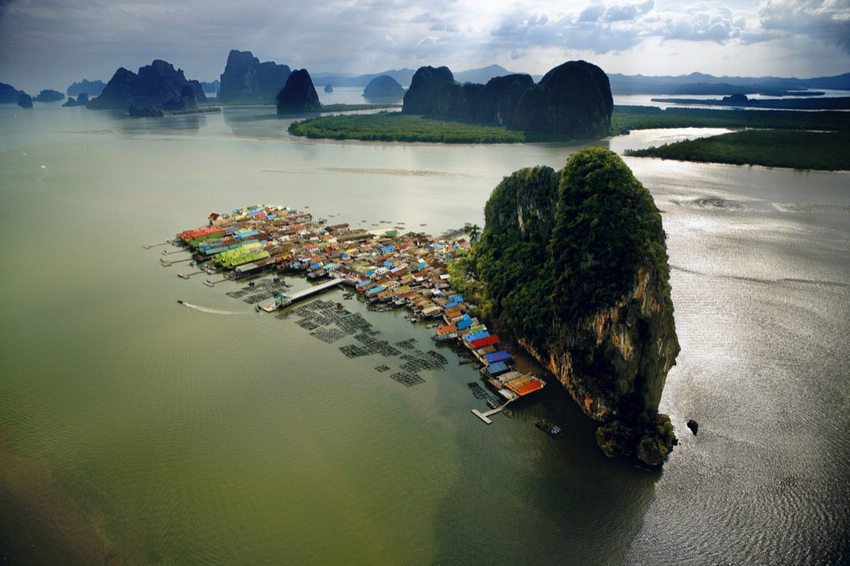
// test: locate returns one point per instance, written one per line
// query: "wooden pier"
(485, 416)
(308, 292)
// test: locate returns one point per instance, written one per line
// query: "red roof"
(483, 342)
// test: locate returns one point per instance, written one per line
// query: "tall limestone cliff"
(157, 85)
(573, 99)
(574, 263)
(9, 94)
(245, 79)
(298, 95)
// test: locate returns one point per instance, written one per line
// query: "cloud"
(703, 26)
(61, 41)
(824, 20)
(586, 31)
(592, 13)
(627, 11)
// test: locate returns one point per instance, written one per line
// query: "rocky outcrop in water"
(298, 95)
(383, 88)
(90, 88)
(157, 85)
(81, 100)
(245, 79)
(9, 94)
(24, 100)
(575, 265)
(573, 99)
(48, 95)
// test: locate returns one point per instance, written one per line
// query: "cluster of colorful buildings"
(403, 270)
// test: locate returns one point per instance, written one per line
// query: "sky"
(51, 43)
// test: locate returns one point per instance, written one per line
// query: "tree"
(474, 232)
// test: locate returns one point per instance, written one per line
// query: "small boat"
(551, 429)
(180, 301)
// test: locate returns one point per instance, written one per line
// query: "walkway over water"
(309, 292)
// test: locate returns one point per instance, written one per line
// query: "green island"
(829, 151)
(573, 263)
(648, 117)
(395, 126)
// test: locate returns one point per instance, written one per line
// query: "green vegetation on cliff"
(773, 148)
(564, 243)
(574, 264)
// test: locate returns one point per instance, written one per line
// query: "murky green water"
(225, 436)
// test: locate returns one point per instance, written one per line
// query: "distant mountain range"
(699, 83)
(694, 83)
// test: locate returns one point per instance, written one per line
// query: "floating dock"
(286, 300)
(485, 416)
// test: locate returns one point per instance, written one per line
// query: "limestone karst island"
(424, 283)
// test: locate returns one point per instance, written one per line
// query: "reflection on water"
(190, 436)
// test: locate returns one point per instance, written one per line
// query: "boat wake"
(213, 311)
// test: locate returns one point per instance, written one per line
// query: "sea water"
(148, 431)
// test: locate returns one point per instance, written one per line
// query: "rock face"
(157, 85)
(383, 88)
(48, 95)
(211, 87)
(81, 100)
(245, 79)
(499, 100)
(428, 88)
(298, 95)
(573, 99)
(24, 100)
(9, 94)
(574, 264)
(91, 88)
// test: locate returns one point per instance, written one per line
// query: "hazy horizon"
(50, 43)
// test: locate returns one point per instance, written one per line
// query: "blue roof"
(388, 264)
(497, 357)
(476, 336)
(374, 290)
(463, 324)
(387, 249)
(497, 367)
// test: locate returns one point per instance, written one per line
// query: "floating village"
(385, 268)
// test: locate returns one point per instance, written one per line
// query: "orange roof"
(446, 329)
(523, 385)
